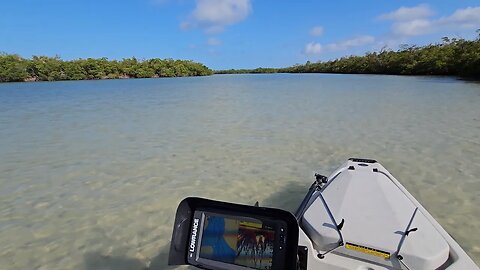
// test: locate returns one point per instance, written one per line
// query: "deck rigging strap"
(407, 231)
(338, 226)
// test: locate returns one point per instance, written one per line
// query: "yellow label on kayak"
(367, 250)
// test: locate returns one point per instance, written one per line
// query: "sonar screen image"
(233, 241)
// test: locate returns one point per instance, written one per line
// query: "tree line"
(14, 68)
(452, 56)
(456, 57)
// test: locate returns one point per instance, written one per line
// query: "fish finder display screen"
(235, 241)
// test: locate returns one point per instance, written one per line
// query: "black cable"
(337, 226)
(407, 231)
(405, 234)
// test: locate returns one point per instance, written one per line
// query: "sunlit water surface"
(91, 172)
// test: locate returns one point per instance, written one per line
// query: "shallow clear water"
(91, 172)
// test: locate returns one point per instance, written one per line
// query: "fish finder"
(224, 236)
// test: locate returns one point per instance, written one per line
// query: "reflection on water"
(91, 172)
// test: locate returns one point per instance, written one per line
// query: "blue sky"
(228, 33)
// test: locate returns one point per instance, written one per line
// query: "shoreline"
(104, 79)
(456, 77)
(473, 79)
(452, 57)
(14, 68)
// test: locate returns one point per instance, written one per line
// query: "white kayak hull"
(363, 218)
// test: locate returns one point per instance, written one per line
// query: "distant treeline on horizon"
(14, 68)
(455, 57)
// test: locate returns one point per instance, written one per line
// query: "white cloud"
(465, 18)
(213, 41)
(317, 31)
(414, 21)
(408, 13)
(406, 22)
(215, 29)
(413, 28)
(214, 15)
(313, 48)
(350, 43)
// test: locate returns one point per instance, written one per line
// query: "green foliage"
(458, 57)
(42, 68)
(12, 68)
